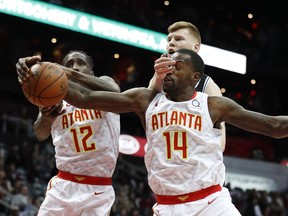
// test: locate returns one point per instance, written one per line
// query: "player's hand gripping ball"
(47, 84)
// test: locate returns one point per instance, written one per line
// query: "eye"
(176, 66)
(68, 64)
(179, 65)
(82, 63)
(178, 38)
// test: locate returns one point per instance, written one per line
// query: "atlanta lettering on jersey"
(79, 115)
(175, 117)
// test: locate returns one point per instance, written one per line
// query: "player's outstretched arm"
(132, 100)
(103, 83)
(227, 110)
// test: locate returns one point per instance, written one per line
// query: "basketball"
(47, 84)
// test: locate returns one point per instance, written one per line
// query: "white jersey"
(86, 141)
(184, 152)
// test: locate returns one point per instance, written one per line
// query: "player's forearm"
(42, 127)
(124, 102)
(89, 81)
(156, 83)
(279, 127)
(93, 83)
(81, 97)
(77, 95)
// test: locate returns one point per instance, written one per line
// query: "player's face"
(181, 75)
(179, 39)
(77, 61)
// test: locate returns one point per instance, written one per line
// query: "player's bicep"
(236, 115)
(111, 82)
(223, 109)
(127, 101)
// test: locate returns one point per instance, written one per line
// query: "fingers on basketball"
(47, 85)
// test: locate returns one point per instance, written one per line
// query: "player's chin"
(167, 85)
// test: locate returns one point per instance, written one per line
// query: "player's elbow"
(278, 129)
(116, 89)
(40, 136)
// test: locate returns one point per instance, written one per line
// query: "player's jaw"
(168, 81)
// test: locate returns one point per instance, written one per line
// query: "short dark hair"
(88, 58)
(195, 59)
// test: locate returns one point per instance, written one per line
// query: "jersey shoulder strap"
(201, 85)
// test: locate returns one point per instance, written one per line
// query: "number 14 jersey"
(183, 152)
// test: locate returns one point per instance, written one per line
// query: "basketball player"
(86, 145)
(184, 158)
(185, 35)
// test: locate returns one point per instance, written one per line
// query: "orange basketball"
(47, 84)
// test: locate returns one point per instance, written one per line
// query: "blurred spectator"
(20, 199)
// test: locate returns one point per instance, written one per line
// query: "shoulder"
(107, 78)
(212, 88)
(140, 97)
(111, 81)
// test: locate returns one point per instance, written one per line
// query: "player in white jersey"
(86, 146)
(192, 145)
(183, 34)
(184, 158)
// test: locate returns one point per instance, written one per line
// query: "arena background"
(223, 24)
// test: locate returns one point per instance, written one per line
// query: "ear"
(196, 77)
(197, 47)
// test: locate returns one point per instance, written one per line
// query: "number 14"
(176, 141)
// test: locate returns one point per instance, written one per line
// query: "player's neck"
(181, 97)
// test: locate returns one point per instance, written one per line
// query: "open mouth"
(167, 79)
(171, 51)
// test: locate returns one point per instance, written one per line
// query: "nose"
(171, 42)
(75, 67)
(171, 46)
(172, 70)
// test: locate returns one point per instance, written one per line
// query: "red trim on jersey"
(194, 95)
(81, 179)
(189, 197)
